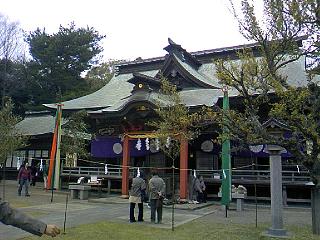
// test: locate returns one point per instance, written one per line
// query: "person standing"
(157, 190)
(138, 188)
(196, 189)
(24, 177)
(34, 174)
(45, 168)
(203, 195)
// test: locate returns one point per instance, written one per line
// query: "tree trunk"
(315, 206)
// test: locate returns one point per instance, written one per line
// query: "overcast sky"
(134, 28)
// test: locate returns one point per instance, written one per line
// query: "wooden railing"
(91, 171)
(237, 175)
(256, 175)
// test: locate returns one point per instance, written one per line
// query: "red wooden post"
(125, 168)
(183, 169)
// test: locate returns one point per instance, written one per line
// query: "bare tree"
(12, 48)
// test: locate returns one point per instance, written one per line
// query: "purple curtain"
(104, 147)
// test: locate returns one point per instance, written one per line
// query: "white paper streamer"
(106, 169)
(298, 168)
(18, 163)
(224, 174)
(157, 144)
(194, 173)
(41, 165)
(168, 142)
(147, 144)
(138, 172)
(138, 145)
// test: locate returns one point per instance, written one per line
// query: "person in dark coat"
(197, 191)
(202, 197)
(138, 188)
(24, 177)
(16, 218)
(34, 173)
(156, 190)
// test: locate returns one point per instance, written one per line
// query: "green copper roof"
(37, 125)
(202, 78)
(117, 89)
(116, 94)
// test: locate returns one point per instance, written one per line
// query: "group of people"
(156, 189)
(27, 176)
(156, 195)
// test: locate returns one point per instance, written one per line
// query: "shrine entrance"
(183, 170)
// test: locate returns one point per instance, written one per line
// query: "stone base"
(278, 233)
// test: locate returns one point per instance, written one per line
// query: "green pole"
(226, 160)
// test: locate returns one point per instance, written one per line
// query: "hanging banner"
(51, 172)
(226, 159)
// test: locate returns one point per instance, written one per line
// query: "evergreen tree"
(58, 61)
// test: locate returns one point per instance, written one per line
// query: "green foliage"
(100, 75)
(75, 137)
(59, 59)
(13, 83)
(175, 121)
(10, 138)
(265, 90)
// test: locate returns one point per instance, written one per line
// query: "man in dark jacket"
(157, 190)
(16, 218)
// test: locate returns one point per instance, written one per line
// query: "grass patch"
(18, 204)
(190, 231)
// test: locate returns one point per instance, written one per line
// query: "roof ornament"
(171, 42)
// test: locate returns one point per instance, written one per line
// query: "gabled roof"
(187, 71)
(195, 67)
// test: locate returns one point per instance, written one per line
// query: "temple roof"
(198, 83)
(37, 124)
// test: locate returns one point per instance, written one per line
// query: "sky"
(134, 28)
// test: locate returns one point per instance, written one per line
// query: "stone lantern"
(276, 129)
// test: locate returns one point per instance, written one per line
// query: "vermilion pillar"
(183, 169)
(125, 168)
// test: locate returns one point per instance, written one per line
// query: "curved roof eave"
(193, 74)
(117, 89)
